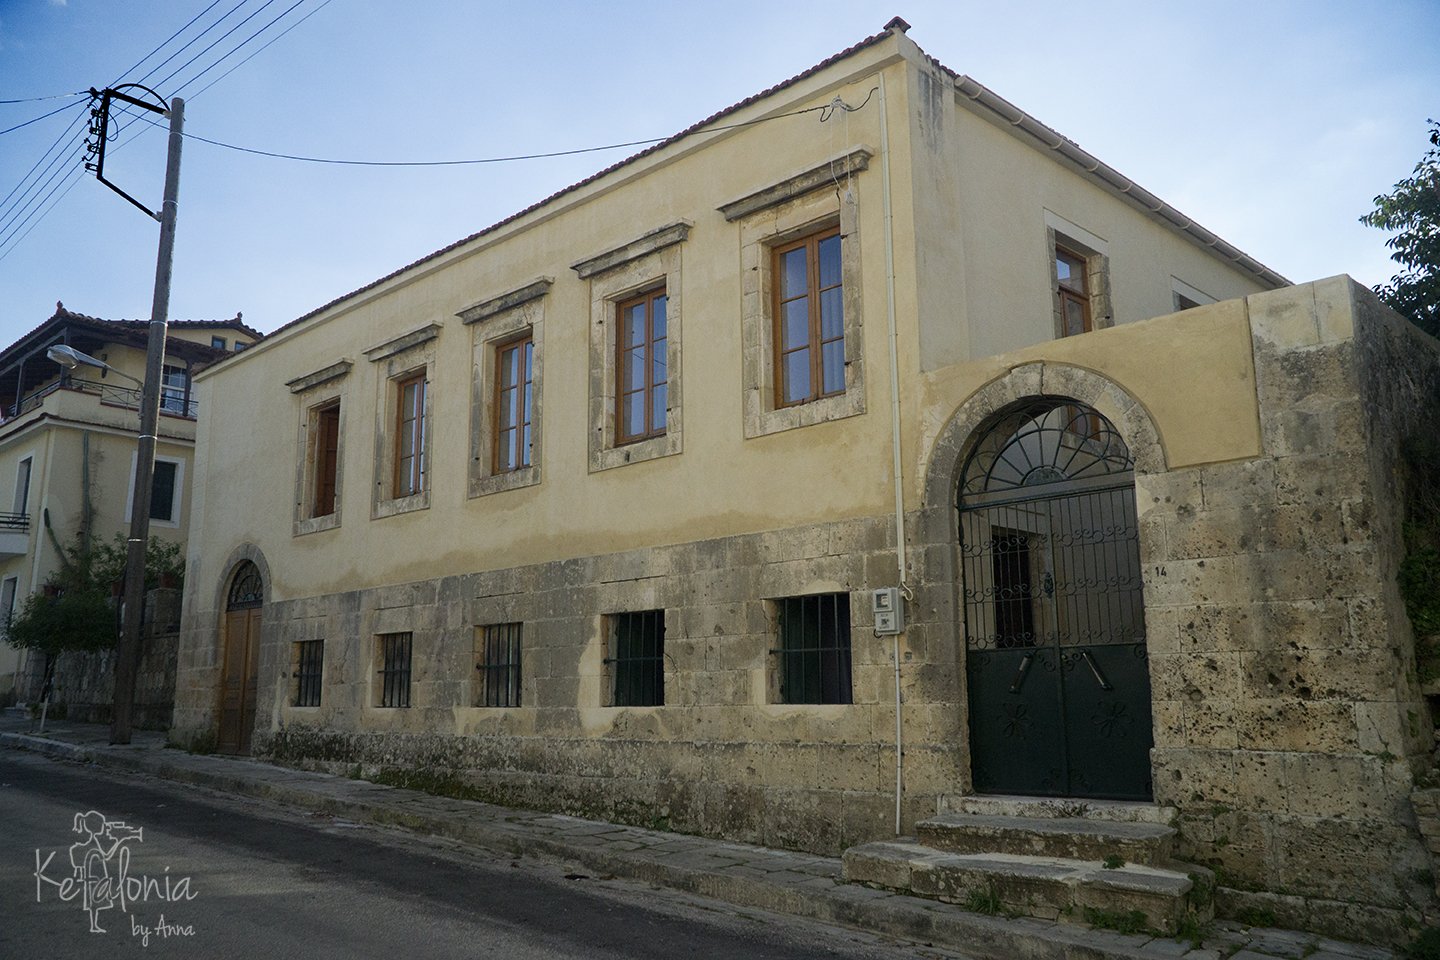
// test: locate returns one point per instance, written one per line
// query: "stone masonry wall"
(1276, 652)
(719, 758)
(85, 681)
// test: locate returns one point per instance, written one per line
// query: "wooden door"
(238, 683)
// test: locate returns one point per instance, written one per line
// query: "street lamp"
(70, 358)
(127, 661)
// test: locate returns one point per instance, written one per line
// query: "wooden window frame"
(647, 391)
(326, 418)
(408, 483)
(1068, 295)
(523, 417)
(816, 341)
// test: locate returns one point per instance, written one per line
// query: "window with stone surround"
(1079, 278)
(403, 449)
(801, 304)
(497, 665)
(320, 447)
(812, 659)
(640, 365)
(410, 416)
(513, 382)
(392, 669)
(636, 658)
(636, 310)
(507, 344)
(809, 315)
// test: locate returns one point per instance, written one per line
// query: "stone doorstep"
(1069, 837)
(1059, 808)
(1045, 887)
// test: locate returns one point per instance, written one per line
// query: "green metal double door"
(1056, 667)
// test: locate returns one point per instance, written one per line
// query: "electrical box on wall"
(888, 607)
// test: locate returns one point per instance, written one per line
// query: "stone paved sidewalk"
(799, 884)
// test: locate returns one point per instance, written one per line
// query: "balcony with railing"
(173, 401)
(14, 535)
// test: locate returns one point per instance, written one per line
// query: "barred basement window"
(814, 653)
(497, 661)
(309, 662)
(394, 672)
(638, 662)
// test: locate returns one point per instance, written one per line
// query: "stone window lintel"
(798, 184)
(403, 342)
(324, 375)
(655, 240)
(495, 306)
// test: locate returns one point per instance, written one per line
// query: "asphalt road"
(231, 877)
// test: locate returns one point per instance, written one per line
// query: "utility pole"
(127, 662)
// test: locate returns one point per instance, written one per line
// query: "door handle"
(1095, 669)
(1021, 672)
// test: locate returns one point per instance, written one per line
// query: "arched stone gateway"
(240, 643)
(1056, 672)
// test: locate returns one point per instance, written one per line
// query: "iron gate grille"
(1056, 669)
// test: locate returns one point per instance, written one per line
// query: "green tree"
(80, 614)
(1412, 212)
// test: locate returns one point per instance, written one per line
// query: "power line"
(187, 45)
(242, 43)
(53, 96)
(68, 106)
(172, 36)
(212, 46)
(261, 50)
(825, 108)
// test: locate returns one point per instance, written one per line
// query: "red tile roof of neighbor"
(101, 326)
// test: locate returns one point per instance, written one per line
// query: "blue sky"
(1273, 123)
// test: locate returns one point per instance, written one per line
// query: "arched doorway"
(240, 663)
(1056, 670)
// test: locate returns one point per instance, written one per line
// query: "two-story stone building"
(587, 512)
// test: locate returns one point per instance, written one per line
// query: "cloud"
(57, 3)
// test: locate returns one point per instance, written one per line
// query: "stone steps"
(1048, 887)
(1073, 838)
(1047, 808)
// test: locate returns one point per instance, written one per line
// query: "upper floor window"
(809, 319)
(513, 397)
(1073, 289)
(326, 463)
(641, 367)
(175, 391)
(410, 436)
(218, 343)
(162, 490)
